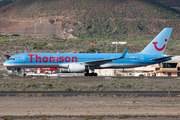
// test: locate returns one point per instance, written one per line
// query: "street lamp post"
(35, 27)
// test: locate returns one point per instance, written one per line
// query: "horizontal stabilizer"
(161, 58)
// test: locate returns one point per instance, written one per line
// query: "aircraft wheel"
(86, 74)
(24, 74)
(95, 74)
(91, 74)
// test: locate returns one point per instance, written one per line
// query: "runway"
(90, 93)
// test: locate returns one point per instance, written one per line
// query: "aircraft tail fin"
(159, 43)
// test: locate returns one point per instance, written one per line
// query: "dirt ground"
(83, 105)
(90, 105)
(104, 118)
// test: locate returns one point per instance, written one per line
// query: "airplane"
(83, 62)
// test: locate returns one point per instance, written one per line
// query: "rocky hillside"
(172, 3)
(5, 2)
(100, 21)
(122, 19)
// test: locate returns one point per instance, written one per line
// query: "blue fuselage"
(62, 60)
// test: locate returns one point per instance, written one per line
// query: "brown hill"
(121, 19)
(100, 21)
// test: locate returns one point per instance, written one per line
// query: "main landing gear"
(90, 74)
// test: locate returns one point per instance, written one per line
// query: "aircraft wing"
(161, 58)
(100, 62)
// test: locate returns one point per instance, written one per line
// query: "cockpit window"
(11, 58)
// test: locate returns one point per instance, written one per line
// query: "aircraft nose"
(5, 63)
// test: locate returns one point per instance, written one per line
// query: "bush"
(31, 85)
(92, 49)
(15, 35)
(49, 85)
(49, 48)
(51, 21)
(37, 47)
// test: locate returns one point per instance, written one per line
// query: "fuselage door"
(22, 59)
(142, 59)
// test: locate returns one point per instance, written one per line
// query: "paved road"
(76, 93)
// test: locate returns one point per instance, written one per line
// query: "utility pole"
(1, 32)
(35, 27)
(25, 48)
(116, 45)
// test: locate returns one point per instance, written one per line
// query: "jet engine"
(74, 68)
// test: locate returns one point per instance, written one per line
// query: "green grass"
(81, 84)
(53, 44)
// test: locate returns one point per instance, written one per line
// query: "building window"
(169, 65)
